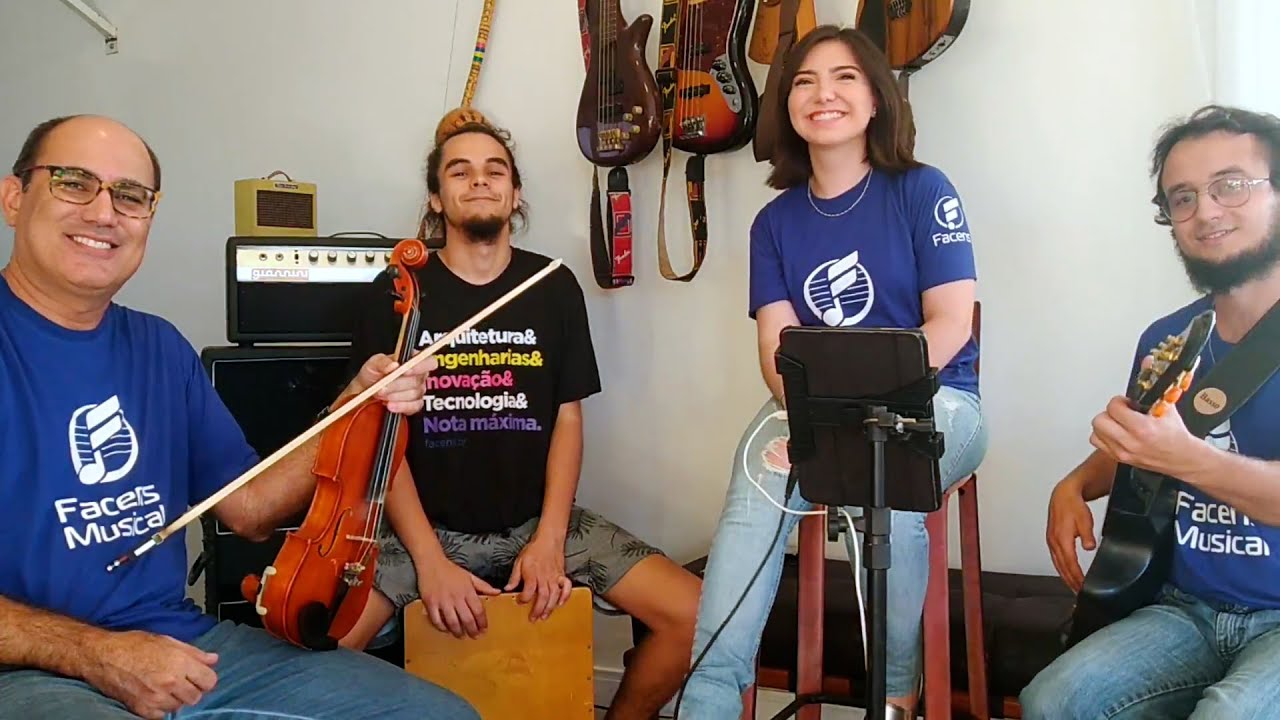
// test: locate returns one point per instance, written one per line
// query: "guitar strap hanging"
(694, 172)
(1230, 383)
(767, 122)
(611, 258)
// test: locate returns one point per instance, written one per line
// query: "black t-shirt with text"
(478, 450)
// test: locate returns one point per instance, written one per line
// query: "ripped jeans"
(747, 524)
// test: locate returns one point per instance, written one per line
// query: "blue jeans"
(259, 677)
(1176, 658)
(747, 524)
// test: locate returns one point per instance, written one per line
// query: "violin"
(315, 591)
(318, 586)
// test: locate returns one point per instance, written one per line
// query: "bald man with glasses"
(109, 430)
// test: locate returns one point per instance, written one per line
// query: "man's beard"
(1221, 277)
(483, 230)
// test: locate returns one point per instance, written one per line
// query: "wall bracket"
(91, 14)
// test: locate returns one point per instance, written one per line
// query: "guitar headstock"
(1172, 367)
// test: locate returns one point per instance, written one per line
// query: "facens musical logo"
(104, 448)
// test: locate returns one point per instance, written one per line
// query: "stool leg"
(810, 610)
(971, 571)
(937, 620)
(749, 697)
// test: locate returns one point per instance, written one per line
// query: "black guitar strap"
(1230, 383)
(667, 76)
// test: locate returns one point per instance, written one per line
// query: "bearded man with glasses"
(1208, 645)
(110, 429)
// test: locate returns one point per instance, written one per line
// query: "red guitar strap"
(611, 259)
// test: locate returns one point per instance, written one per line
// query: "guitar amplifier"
(269, 208)
(274, 394)
(299, 290)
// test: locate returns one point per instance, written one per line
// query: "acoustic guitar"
(912, 33)
(768, 22)
(1133, 556)
(619, 118)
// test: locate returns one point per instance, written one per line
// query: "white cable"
(857, 570)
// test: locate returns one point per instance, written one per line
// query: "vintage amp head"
(299, 290)
(272, 208)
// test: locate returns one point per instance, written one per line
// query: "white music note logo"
(104, 446)
(840, 291)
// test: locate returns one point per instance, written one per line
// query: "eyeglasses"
(1231, 191)
(80, 187)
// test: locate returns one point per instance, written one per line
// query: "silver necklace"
(808, 188)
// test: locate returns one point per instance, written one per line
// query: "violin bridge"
(351, 573)
(361, 538)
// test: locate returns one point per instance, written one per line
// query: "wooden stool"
(516, 669)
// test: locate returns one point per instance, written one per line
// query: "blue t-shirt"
(869, 266)
(1219, 553)
(108, 436)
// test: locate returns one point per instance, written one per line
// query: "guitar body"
(1132, 561)
(716, 99)
(1133, 556)
(619, 111)
(768, 24)
(912, 33)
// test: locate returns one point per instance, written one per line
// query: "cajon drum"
(517, 669)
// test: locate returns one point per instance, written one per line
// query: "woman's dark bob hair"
(891, 134)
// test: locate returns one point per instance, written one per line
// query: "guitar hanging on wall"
(464, 113)
(768, 26)
(709, 101)
(617, 125)
(912, 33)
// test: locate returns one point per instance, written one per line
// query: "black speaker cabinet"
(274, 393)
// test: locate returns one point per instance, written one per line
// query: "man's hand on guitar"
(404, 394)
(1069, 518)
(1159, 444)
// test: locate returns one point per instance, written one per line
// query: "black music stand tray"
(859, 406)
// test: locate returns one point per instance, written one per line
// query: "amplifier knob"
(333, 256)
(368, 257)
(313, 256)
(386, 256)
(279, 256)
(351, 257)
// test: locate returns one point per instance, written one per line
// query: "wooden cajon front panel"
(517, 668)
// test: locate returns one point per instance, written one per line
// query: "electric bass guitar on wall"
(715, 98)
(618, 113)
(619, 123)
(1132, 561)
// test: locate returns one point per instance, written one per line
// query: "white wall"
(1042, 113)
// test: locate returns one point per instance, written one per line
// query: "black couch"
(1024, 616)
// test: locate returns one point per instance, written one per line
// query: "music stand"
(860, 405)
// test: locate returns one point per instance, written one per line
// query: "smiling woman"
(863, 234)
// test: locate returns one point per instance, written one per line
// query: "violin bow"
(328, 420)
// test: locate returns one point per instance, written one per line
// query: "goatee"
(483, 230)
(1220, 277)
